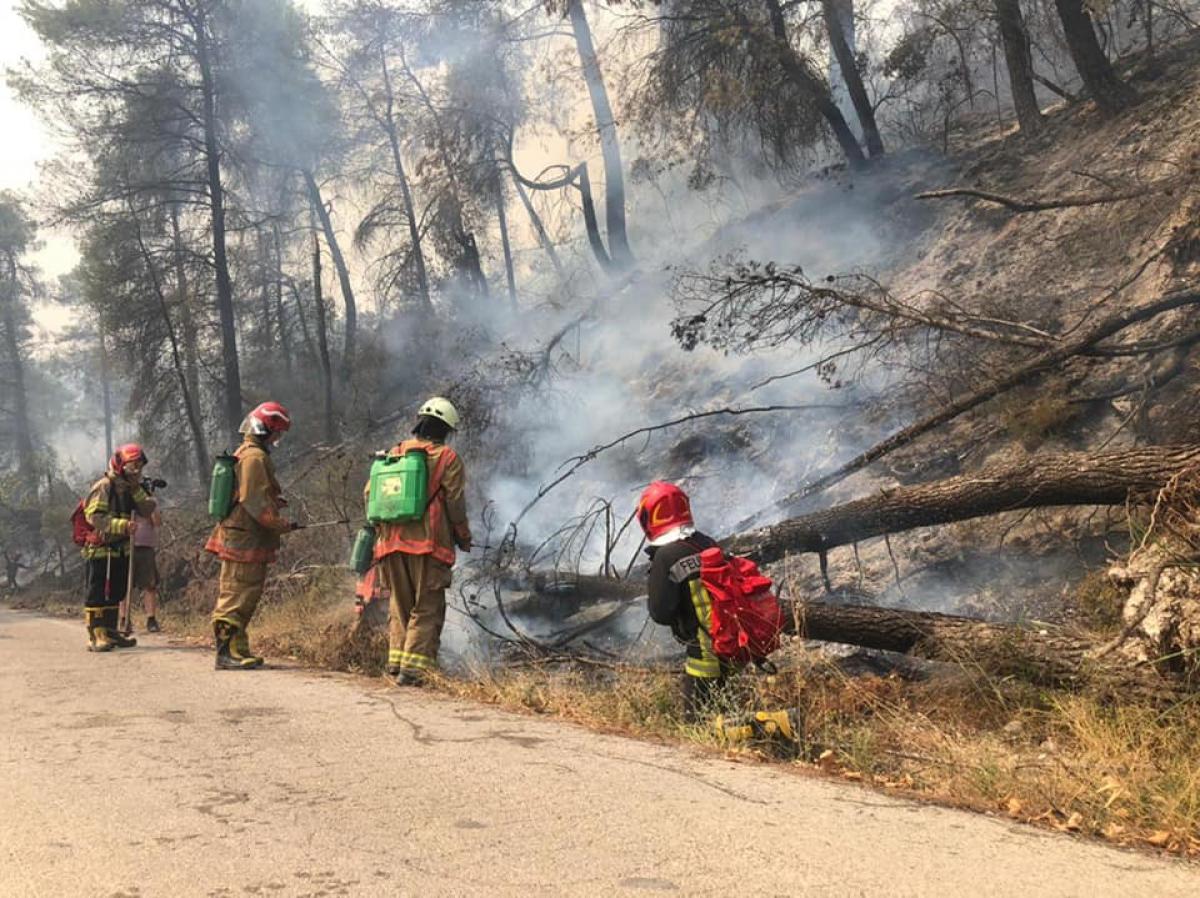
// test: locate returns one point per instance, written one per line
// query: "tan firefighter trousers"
(238, 592)
(417, 609)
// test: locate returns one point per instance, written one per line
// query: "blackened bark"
(610, 144)
(848, 66)
(1019, 61)
(1110, 92)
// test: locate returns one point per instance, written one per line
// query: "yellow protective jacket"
(109, 506)
(445, 522)
(250, 533)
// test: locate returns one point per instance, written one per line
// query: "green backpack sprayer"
(399, 484)
(221, 487)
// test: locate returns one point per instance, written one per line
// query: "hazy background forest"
(347, 206)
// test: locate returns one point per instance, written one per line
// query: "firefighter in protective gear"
(109, 509)
(247, 540)
(677, 598)
(415, 557)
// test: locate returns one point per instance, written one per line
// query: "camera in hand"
(150, 485)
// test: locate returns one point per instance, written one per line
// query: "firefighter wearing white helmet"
(415, 556)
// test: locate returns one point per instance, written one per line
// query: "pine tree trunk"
(20, 398)
(323, 339)
(285, 334)
(216, 194)
(848, 66)
(388, 122)
(339, 264)
(811, 85)
(502, 219)
(610, 144)
(191, 412)
(1019, 60)
(539, 228)
(106, 394)
(191, 338)
(1110, 92)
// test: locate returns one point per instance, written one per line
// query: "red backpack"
(82, 533)
(746, 617)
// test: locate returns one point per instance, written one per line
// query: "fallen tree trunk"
(1044, 657)
(1072, 478)
(1022, 374)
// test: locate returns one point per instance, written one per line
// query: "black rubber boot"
(111, 622)
(224, 633)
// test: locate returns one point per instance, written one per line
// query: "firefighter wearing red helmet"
(247, 540)
(677, 598)
(108, 510)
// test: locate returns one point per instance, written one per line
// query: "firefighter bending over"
(416, 498)
(677, 597)
(720, 607)
(108, 511)
(247, 539)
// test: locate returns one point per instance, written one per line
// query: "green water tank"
(362, 553)
(399, 484)
(221, 486)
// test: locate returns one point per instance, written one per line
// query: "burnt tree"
(1071, 478)
(1019, 60)
(1110, 92)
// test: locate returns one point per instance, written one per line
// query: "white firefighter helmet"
(442, 409)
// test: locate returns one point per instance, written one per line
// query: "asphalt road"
(146, 773)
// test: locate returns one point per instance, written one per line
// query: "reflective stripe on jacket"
(444, 523)
(109, 506)
(250, 533)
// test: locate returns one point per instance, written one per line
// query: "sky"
(25, 141)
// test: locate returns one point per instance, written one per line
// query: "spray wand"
(299, 526)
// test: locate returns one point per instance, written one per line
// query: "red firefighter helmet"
(663, 511)
(124, 455)
(267, 418)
